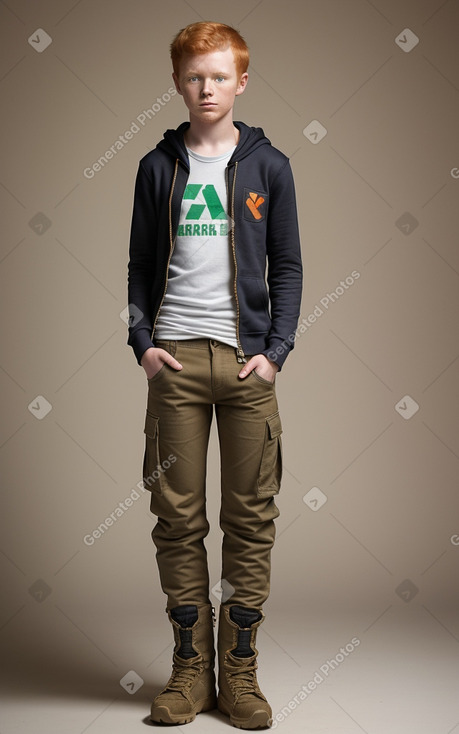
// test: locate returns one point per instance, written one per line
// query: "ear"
(242, 83)
(177, 83)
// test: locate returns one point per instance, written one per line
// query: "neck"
(214, 138)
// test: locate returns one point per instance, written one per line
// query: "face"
(209, 84)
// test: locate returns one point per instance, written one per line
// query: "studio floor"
(390, 671)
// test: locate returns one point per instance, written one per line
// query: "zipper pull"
(240, 355)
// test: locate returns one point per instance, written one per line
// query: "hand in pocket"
(154, 358)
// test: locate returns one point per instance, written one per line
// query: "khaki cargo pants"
(178, 419)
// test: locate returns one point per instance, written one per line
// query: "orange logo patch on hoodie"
(254, 204)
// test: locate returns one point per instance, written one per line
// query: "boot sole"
(258, 720)
(163, 715)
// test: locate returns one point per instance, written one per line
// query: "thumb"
(171, 361)
(247, 369)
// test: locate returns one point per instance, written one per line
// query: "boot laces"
(244, 681)
(183, 676)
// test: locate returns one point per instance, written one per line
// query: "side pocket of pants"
(270, 474)
(153, 471)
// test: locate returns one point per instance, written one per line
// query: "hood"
(250, 139)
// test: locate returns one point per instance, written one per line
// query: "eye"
(220, 78)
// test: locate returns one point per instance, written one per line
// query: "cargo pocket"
(269, 476)
(152, 470)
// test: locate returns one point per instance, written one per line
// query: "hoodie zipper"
(171, 246)
(241, 358)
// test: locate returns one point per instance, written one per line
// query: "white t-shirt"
(199, 300)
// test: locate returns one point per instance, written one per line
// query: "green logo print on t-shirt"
(216, 221)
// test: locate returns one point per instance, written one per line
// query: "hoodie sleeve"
(284, 266)
(140, 266)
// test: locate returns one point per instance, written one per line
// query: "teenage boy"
(214, 208)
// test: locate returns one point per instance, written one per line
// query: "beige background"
(379, 559)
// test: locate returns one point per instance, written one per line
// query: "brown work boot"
(191, 687)
(239, 695)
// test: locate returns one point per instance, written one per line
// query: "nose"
(207, 90)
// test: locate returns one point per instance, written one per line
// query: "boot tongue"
(243, 616)
(186, 615)
(186, 645)
(243, 649)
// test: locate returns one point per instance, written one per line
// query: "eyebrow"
(191, 72)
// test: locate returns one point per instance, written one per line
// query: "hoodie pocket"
(270, 474)
(254, 305)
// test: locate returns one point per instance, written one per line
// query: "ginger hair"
(205, 37)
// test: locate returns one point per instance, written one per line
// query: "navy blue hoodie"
(264, 240)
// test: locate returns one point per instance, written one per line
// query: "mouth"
(208, 104)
